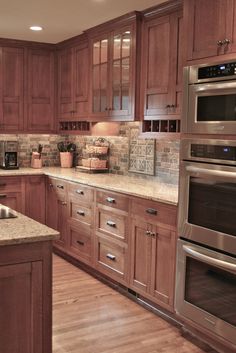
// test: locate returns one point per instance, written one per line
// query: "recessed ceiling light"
(36, 28)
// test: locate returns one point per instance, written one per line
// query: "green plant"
(66, 146)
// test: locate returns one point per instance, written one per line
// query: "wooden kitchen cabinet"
(35, 194)
(152, 251)
(162, 66)
(113, 75)
(41, 90)
(12, 193)
(57, 210)
(73, 82)
(25, 298)
(210, 28)
(11, 89)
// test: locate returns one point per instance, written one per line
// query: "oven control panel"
(215, 71)
(226, 153)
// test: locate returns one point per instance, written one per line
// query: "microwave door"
(207, 205)
(212, 108)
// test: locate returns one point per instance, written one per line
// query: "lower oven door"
(207, 205)
(206, 289)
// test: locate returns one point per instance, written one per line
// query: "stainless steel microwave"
(209, 103)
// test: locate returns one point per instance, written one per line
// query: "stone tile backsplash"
(166, 156)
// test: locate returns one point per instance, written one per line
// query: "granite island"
(25, 285)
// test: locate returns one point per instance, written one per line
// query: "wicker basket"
(94, 163)
(101, 149)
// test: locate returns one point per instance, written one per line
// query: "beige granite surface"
(24, 230)
(134, 186)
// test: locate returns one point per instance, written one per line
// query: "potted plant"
(66, 150)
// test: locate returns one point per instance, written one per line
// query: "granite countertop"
(24, 230)
(131, 185)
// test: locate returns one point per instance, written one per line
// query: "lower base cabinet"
(25, 298)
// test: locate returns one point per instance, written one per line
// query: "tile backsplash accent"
(166, 156)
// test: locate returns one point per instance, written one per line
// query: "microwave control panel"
(226, 153)
(214, 71)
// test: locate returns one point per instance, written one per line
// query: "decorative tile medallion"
(141, 154)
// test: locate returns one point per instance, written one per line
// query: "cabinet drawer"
(10, 184)
(112, 224)
(80, 213)
(113, 200)
(152, 211)
(58, 185)
(82, 193)
(80, 242)
(111, 256)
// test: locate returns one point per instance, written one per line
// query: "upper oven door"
(207, 205)
(212, 108)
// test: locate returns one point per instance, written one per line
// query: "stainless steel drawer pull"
(80, 192)
(81, 213)
(2, 196)
(151, 211)
(111, 224)
(110, 200)
(60, 186)
(80, 242)
(111, 257)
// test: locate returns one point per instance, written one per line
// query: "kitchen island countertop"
(131, 185)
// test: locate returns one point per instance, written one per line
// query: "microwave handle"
(208, 259)
(217, 173)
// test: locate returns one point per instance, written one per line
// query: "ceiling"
(61, 19)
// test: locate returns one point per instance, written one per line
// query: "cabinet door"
(122, 79)
(163, 266)
(65, 85)
(21, 298)
(179, 53)
(158, 65)
(231, 27)
(11, 89)
(13, 199)
(140, 256)
(205, 26)
(99, 77)
(40, 91)
(35, 194)
(80, 77)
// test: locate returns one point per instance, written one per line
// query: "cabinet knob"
(81, 213)
(226, 41)
(80, 192)
(80, 242)
(60, 186)
(64, 203)
(111, 257)
(220, 43)
(110, 200)
(148, 233)
(111, 224)
(151, 211)
(153, 234)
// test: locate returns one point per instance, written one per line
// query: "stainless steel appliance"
(9, 154)
(209, 105)
(206, 256)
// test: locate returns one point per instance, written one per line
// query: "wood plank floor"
(90, 317)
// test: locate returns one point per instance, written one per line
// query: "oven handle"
(220, 173)
(209, 260)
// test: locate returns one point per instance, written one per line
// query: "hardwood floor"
(90, 317)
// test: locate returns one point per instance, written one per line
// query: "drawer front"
(111, 256)
(81, 193)
(80, 213)
(59, 186)
(113, 200)
(154, 212)
(10, 184)
(112, 224)
(80, 242)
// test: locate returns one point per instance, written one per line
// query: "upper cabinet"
(40, 97)
(210, 28)
(162, 65)
(73, 82)
(11, 89)
(113, 76)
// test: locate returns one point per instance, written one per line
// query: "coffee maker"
(9, 154)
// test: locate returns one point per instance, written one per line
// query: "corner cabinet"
(113, 76)
(73, 82)
(213, 35)
(11, 89)
(162, 64)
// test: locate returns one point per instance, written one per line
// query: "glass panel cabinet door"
(100, 76)
(121, 95)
